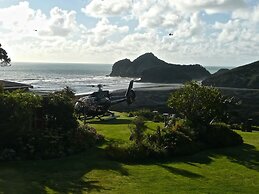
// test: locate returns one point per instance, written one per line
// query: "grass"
(230, 170)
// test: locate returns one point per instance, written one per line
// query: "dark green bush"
(32, 127)
(182, 125)
(144, 113)
(255, 128)
(200, 104)
(236, 126)
(162, 143)
(17, 116)
(58, 109)
(8, 154)
(84, 137)
(178, 138)
(171, 142)
(220, 135)
(149, 115)
(137, 130)
(128, 153)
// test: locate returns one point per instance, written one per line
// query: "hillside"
(152, 69)
(174, 74)
(246, 76)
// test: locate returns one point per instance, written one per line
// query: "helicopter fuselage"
(98, 103)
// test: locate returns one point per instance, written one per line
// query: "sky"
(207, 32)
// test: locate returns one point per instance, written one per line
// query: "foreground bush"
(220, 135)
(17, 117)
(200, 104)
(34, 127)
(178, 138)
(163, 143)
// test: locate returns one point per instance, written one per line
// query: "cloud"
(103, 30)
(230, 31)
(30, 34)
(21, 18)
(60, 23)
(210, 6)
(98, 8)
(105, 36)
(251, 14)
(25, 21)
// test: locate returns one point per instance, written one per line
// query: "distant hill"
(220, 71)
(246, 76)
(151, 69)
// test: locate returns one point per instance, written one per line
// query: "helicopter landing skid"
(105, 117)
(108, 116)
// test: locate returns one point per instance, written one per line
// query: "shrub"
(200, 104)
(137, 130)
(128, 152)
(84, 137)
(255, 128)
(32, 127)
(182, 125)
(149, 115)
(58, 110)
(220, 135)
(144, 113)
(8, 154)
(17, 113)
(172, 142)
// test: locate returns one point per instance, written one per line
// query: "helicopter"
(97, 104)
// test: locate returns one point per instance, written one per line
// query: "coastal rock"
(151, 69)
(120, 68)
(246, 76)
(126, 68)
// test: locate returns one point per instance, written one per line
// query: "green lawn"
(230, 170)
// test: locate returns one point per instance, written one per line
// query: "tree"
(4, 59)
(200, 104)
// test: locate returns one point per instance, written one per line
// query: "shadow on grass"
(181, 172)
(67, 175)
(111, 122)
(246, 155)
(113, 141)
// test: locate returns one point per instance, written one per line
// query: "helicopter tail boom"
(130, 94)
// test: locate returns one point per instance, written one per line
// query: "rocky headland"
(152, 69)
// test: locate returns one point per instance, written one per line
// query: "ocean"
(82, 78)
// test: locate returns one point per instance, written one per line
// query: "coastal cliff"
(152, 69)
(246, 76)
